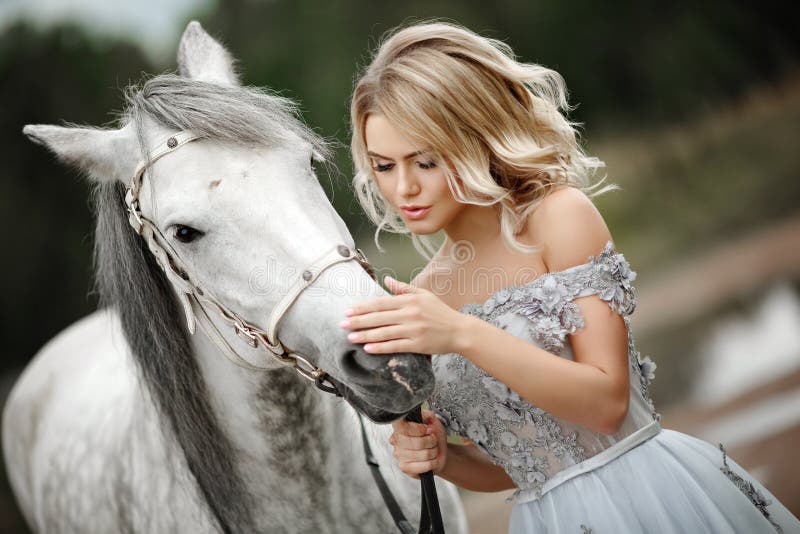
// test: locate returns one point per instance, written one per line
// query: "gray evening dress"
(575, 480)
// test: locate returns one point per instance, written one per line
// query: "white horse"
(125, 422)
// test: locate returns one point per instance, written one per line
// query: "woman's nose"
(407, 184)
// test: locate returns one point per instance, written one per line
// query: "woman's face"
(409, 177)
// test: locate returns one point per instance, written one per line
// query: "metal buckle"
(361, 258)
(245, 333)
(134, 213)
(307, 369)
(275, 349)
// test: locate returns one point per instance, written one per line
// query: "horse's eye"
(186, 234)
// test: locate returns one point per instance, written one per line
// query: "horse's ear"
(104, 155)
(201, 57)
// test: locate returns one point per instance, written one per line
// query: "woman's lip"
(417, 213)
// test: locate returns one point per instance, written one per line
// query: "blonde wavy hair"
(497, 122)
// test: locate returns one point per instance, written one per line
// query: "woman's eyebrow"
(408, 156)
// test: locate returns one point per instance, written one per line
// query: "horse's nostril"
(412, 372)
(358, 364)
(362, 363)
(370, 362)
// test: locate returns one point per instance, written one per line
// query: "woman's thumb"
(397, 287)
(428, 417)
(432, 423)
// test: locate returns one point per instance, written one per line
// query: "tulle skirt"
(672, 483)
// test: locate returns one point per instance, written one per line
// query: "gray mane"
(245, 115)
(128, 278)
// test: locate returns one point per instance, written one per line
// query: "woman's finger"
(417, 467)
(415, 443)
(379, 304)
(408, 455)
(409, 428)
(389, 347)
(382, 333)
(373, 319)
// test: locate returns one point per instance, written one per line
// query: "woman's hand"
(420, 448)
(414, 320)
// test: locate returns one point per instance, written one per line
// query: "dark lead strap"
(430, 520)
(430, 516)
(391, 503)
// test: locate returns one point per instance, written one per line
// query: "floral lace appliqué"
(548, 301)
(747, 487)
(501, 414)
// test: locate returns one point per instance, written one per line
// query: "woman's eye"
(186, 234)
(427, 164)
(383, 167)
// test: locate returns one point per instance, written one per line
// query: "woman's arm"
(591, 391)
(469, 468)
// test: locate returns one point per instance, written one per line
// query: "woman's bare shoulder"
(568, 227)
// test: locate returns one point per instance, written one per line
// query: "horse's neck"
(288, 435)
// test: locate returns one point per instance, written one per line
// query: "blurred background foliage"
(694, 106)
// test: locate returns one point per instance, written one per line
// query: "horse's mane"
(245, 115)
(128, 278)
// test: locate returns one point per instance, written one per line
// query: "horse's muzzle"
(386, 386)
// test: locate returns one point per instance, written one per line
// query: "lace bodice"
(529, 443)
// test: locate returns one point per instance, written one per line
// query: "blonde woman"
(526, 304)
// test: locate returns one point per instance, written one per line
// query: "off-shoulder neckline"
(607, 252)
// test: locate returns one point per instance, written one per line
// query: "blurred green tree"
(50, 77)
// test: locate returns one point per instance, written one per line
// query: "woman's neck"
(477, 225)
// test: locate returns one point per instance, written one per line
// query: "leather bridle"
(196, 300)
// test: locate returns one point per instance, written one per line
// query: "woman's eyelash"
(387, 166)
(382, 168)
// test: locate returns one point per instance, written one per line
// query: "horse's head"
(243, 214)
